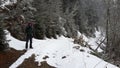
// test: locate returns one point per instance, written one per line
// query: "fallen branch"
(100, 44)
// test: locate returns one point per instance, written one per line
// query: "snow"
(93, 41)
(7, 2)
(14, 43)
(55, 49)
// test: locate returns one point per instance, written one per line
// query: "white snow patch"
(93, 41)
(56, 49)
(7, 2)
(14, 43)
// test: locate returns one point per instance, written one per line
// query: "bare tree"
(113, 30)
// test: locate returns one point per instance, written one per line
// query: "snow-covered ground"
(56, 49)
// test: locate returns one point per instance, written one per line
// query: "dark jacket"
(29, 30)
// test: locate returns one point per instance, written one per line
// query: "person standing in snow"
(29, 34)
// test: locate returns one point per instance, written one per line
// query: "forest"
(52, 18)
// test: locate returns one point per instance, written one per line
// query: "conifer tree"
(3, 41)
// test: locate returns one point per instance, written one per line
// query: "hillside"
(67, 28)
(59, 53)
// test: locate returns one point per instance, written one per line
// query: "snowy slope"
(56, 49)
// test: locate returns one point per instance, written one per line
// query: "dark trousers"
(29, 38)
